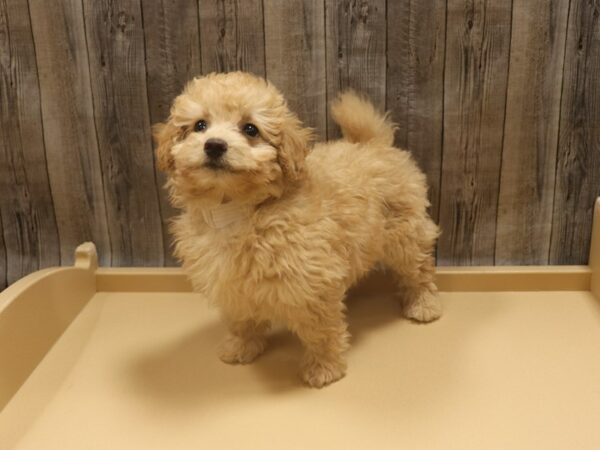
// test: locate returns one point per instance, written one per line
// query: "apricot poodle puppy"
(273, 229)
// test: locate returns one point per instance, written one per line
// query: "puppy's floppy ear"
(295, 145)
(164, 135)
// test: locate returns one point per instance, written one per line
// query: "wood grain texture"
(498, 101)
(578, 162)
(30, 236)
(531, 131)
(295, 57)
(172, 42)
(356, 51)
(232, 36)
(477, 46)
(69, 129)
(415, 83)
(3, 260)
(115, 43)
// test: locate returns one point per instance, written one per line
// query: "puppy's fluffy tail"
(360, 121)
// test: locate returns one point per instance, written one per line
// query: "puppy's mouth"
(216, 166)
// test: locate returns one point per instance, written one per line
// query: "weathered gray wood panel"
(3, 260)
(578, 164)
(172, 42)
(356, 51)
(69, 129)
(531, 131)
(30, 236)
(295, 56)
(115, 41)
(415, 83)
(477, 46)
(233, 36)
(497, 100)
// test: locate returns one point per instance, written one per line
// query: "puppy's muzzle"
(215, 148)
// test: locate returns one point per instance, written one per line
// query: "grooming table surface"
(138, 370)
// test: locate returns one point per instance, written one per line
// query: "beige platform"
(125, 359)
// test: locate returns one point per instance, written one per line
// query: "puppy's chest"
(224, 263)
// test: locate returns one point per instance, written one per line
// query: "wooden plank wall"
(498, 100)
(526, 197)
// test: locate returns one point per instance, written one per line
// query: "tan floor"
(499, 371)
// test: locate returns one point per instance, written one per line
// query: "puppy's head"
(231, 136)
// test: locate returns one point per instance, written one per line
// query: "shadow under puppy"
(271, 230)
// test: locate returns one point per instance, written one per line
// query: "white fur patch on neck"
(226, 214)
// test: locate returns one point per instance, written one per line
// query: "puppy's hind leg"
(409, 253)
(245, 342)
(420, 301)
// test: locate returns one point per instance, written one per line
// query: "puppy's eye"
(201, 125)
(250, 130)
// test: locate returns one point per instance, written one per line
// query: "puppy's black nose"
(215, 147)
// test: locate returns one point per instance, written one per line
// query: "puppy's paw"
(319, 373)
(235, 350)
(426, 308)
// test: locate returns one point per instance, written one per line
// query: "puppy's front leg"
(325, 338)
(246, 340)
